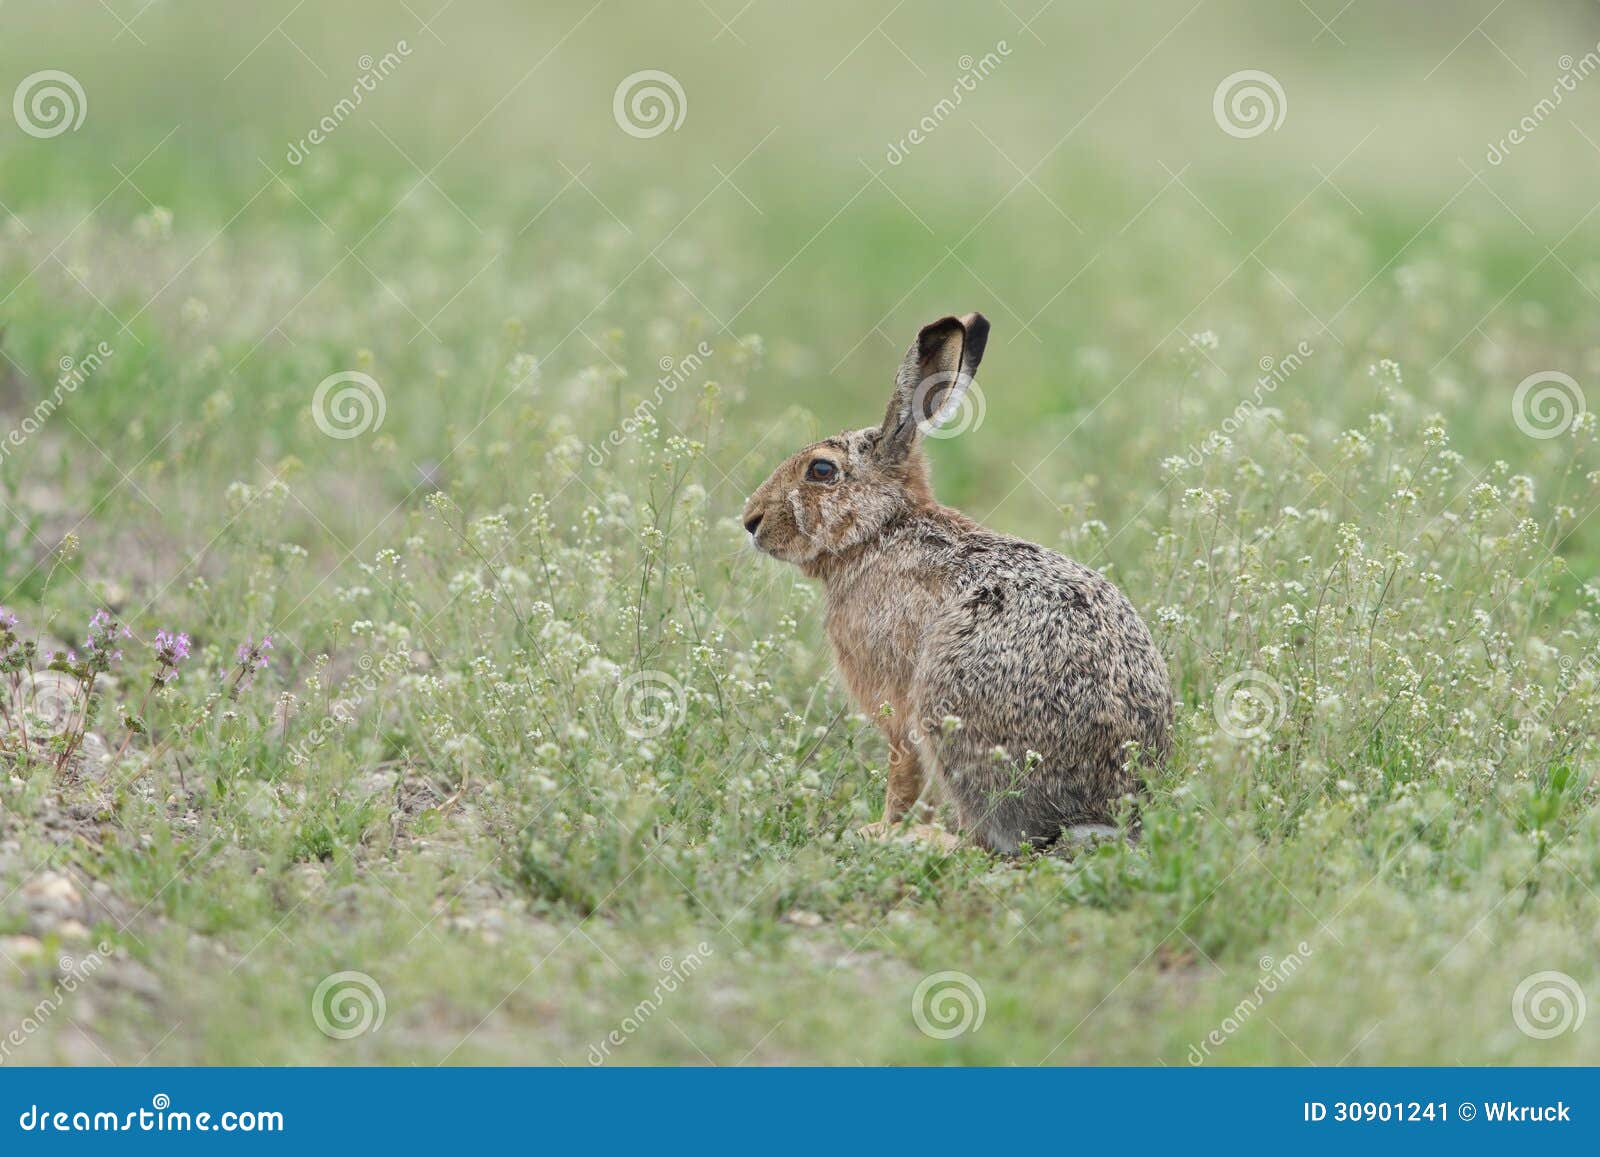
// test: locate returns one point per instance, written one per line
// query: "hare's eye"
(821, 470)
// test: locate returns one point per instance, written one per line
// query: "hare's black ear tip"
(977, 327)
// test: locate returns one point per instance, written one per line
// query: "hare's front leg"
(905, 786)
(912, 796)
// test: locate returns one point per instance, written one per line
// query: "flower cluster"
(51, 710)
(251, 657)
(170, 651)
(102, 642)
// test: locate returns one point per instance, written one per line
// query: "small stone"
(20, 948)
(800, 918)
(134, 977)
(48, 899)
(94, 756)
(307, 880)
(376, 783)
(51, 889)
(72, 930)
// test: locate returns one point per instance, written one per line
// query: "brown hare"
(1007, 679)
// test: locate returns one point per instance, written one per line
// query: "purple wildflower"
(252, 657)
(8, 621)
(252, 654)
(170, 651)
(104, 631)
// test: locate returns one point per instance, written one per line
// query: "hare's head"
(843, 491)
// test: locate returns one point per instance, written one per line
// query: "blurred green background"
(1082, 195)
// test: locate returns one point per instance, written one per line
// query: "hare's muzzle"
(752, 524)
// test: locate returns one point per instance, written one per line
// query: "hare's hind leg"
(907, 782)
(996, 806)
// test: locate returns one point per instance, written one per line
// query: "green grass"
(433, 781)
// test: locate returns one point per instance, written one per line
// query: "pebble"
(134, 977)
(51, 904)
(51, 889)
(304, 881)
(20, 948)
(378, 783)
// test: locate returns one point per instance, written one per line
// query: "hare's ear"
(933, 379)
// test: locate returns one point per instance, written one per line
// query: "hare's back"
(1027, 635)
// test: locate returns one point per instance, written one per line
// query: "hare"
(1008, 680)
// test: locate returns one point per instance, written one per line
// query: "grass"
(548, 755)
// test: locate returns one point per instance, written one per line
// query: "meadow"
(386, 676)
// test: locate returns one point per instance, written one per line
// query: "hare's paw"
(937, 836)
(1081, 834)
(922, 833)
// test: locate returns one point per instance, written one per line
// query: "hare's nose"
(752, 523)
